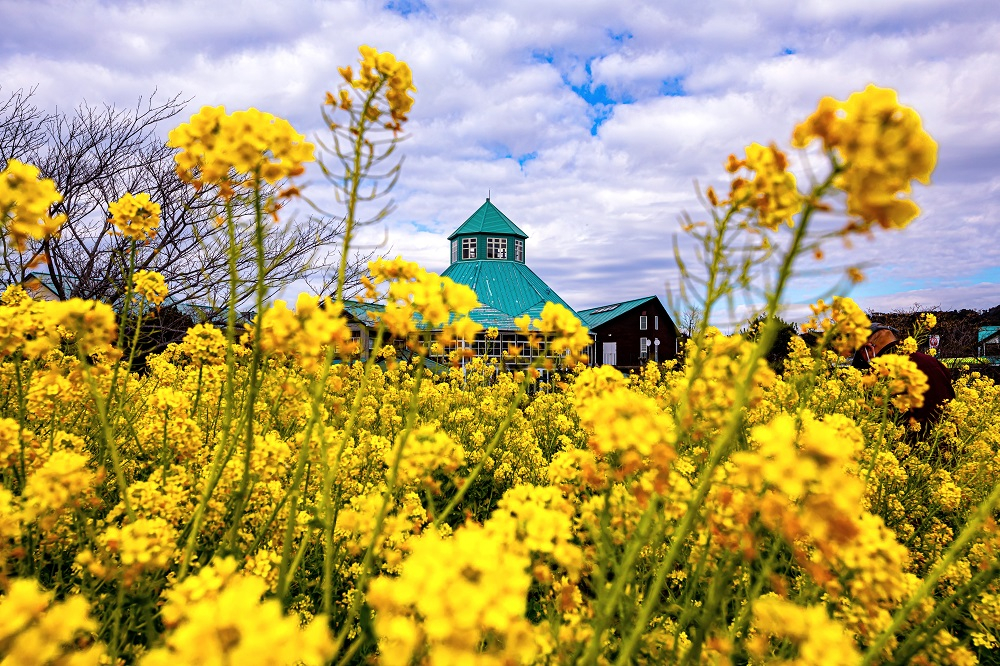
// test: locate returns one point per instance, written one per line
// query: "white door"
(610, 353)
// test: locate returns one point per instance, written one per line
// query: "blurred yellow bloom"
(772, 193)
(883, 147)
(25, 202)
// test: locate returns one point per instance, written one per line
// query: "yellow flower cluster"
(816, 639)
(151, 286)
(91, 324)
(376, 70)
(472, 609)
(772, 193)
(226, 622)
(62, 482)
(135, 216)
(203, 344)
(25, 202)
(238, 149)
(425, 450)
(147, 544)
(800, 472)
(629, 429)
(905, 382)
(883, 147)
(34, 328)
(562, 330)
(435, 301)
(845, 325)
(38, 630)
(538, 520)
(306, 332)
(708, 391)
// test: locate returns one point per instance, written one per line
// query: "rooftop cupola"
(488, 235)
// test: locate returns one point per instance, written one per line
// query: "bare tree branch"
(97, 153)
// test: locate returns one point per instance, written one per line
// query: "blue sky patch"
(406, 7)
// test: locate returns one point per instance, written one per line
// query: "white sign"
(934, 341)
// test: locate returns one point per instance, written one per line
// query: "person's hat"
(883, 327)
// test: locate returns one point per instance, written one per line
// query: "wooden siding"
(624, 331)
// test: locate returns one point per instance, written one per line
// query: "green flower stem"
(256, 377)
(355, 176)
(222, 450)
(390, 486)
(609, 600)
(724, 441)
(488, 451)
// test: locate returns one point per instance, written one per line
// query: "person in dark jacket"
(885, 340)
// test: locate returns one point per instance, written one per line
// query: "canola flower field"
(259, 495)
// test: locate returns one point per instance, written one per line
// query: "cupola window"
(519, 249)
(468, 248)
(496, 248)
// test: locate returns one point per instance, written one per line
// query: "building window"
(656, 322)
(643, 348)
(496, 248)
(468, 248)
(454, 251)
(642, 323)
(519, 250)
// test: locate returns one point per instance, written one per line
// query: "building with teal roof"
(488, 253)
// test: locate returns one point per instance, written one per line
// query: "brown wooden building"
(628, 335)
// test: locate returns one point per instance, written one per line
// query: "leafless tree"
(690, 320)
(97, 153)
(957, 330)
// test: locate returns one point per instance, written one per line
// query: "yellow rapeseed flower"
(238, 149)
(150, 285)
(772, 193)
(135, 216)
(882, 145)
(25, 201)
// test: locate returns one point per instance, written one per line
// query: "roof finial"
(487, 195)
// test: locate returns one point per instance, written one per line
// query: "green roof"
(506, 289)
(594, 317)
(484, 315)
(488, 220)
(986, 332)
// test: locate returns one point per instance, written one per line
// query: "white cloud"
(495, 79)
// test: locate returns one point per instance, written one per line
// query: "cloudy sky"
(588, 121)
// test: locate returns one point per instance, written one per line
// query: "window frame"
(656, 322)
(496, 247)
(469, 248)
(454, 251)
(518, 250)
(643, 322)
(643, 348)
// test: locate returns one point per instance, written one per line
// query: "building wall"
(624, 331)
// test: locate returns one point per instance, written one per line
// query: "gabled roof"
(594, 317)
(488, 220)
(506, 287)
(987, 332)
